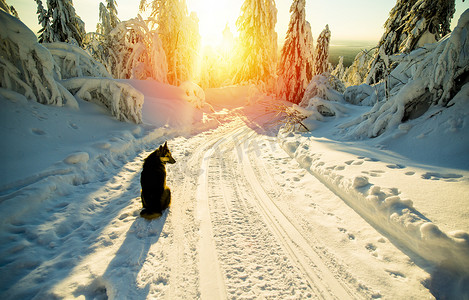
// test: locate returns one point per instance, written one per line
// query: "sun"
(213, 16)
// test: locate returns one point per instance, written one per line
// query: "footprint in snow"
(441, 176)
(395, 166)
(72, 125)
(38, 131)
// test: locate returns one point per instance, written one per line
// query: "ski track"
(224, 236)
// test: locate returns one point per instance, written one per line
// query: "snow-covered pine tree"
(410, 25)
(297, 56)
(339, 70)
(60, 23)
(321, 55)
(8, 9)
(179, 34)
(107, 17)
(429, 21)
(257, 41)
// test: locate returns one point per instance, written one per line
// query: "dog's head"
(164, 154)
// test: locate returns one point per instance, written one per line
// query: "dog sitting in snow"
(156, 196)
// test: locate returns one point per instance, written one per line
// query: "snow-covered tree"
(107, 17)
(425, 78)
(135, 51)
(60, 23)
(179, 34)
(410, 25)
(28, 68)
(297, 56)
(8, 9)
(357, 72)
(339, 70)
(321, 55)
(257, 41)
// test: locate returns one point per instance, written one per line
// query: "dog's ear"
(166, 145)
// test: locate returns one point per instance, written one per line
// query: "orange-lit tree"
(295, 68)
(257, 42)
(179, 33)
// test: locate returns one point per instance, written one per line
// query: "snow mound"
(27, 67)
(75, 62)
(382, 206)
(124, 101)
(78, 157)
(194, 93)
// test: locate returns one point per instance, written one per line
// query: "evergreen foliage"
(179, 34)
(257, 41)
(60, 23)
(321, 55)
(410, 25)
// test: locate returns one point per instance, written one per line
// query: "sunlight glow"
(213, 16)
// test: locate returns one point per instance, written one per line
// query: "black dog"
(156, 196)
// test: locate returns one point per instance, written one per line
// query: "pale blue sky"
(358, 20)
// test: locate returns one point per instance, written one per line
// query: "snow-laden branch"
(75, 62)
(27, 67)
(124, 101)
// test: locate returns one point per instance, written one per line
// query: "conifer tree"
(8, 9)
(297, 56)
(410, 25)
(321, 55)
(60, 23)
(257, 41)
(179, 34)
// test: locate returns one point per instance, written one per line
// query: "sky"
(358, 20)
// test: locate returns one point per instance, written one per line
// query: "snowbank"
(195, 94)
(382, 206)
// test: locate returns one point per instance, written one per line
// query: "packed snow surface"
(253, 214)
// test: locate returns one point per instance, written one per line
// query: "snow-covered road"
(245, 222)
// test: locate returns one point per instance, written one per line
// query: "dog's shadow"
(128, 262)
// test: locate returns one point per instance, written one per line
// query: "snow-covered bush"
(75, 62)
(324, 86)
(195, 94)
(27, 67)
(363, 94)
(436, 77)
(322, 98)
(124, 101)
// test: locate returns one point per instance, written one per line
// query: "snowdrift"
(382, 206)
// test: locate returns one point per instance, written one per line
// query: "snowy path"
(245, 222)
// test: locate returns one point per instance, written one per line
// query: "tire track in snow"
(253, 261)
(300, 251)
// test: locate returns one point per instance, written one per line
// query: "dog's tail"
(149, 215)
